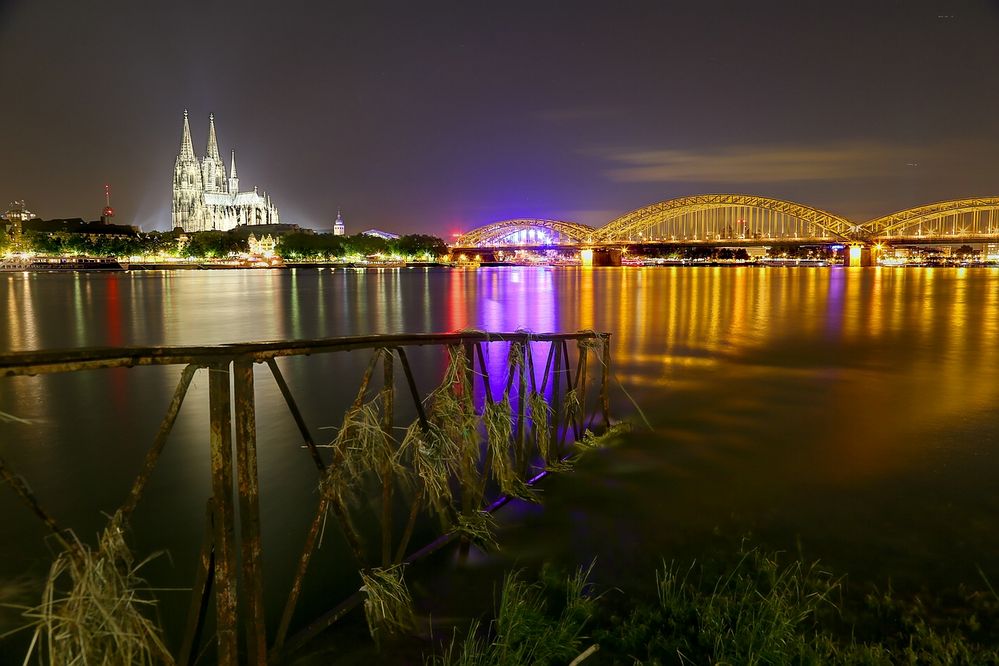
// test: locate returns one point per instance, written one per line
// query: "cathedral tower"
(212, 167)
(187, 210)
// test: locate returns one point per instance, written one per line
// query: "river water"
(850, 413)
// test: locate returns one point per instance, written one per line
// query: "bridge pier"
(602, 256)
(860, 254)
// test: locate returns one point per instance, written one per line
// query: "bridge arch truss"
(954, 219)
(719, 217)
(525, 231)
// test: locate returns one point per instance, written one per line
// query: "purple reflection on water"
(835, 302)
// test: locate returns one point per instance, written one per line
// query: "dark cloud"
(758, 164)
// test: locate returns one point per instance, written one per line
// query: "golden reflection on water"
(892, 356)
(889, 352)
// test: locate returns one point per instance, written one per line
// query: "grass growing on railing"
(478, 527)
(499, 433)
(388, 605)
(439, 465)
(102, 618)
(430, 456)
(541, 413)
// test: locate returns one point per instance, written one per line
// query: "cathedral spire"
(233, 178)
(186, 147)
(213, 144)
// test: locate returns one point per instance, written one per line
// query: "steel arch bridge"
(957, 219)
(740, 219)
(733, 217)
(526, 231)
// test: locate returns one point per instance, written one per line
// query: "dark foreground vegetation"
(757, 608)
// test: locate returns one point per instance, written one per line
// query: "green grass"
(755, 609)
(536, 623)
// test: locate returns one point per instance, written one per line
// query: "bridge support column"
(603, 256)
(859, 254)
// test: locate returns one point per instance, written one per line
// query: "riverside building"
(204, 199)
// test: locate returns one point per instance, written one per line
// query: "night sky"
(418, 116)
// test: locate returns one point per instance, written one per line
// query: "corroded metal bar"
(556, 395)
(249, 512)
(567, 369)
(407, 533)
(605, 381)
(584, 354)
(29, 499)
(153, 455)
(366, 380)
(510, 369)
(225, 543)
(388, 416)
(469, 348)
(522, 457)
(296, 414)
(548, 366)
(485, 373)
(569, 383)
(530, 365)
(563, 352)
(200, 593)
(70, 360)
(303, 567)
(411, 382)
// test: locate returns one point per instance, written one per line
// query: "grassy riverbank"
(757, 608)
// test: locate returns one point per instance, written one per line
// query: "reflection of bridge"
(731, 220)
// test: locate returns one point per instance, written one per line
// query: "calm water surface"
(848, 411)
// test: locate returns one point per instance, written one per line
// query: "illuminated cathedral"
(204, 199)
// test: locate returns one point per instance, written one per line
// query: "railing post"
(225, 543)
(522, 459)
(388, 417)
(249, 511)
(200, 593)
(605, 381)
(556, 398)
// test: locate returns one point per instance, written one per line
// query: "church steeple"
(186, 146)
(233, 178)
(188, 188)
(213, 145)
(212, 167)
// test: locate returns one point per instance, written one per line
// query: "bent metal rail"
(532, 431)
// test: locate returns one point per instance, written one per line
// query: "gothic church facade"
(204, 199)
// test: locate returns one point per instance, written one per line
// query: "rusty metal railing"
(230, 564)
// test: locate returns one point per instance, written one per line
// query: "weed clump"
(388, 605)
(102, 617)
(536, 623)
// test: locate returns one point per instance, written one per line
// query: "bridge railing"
(477, 439)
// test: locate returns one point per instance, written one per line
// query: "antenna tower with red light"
(108, 210)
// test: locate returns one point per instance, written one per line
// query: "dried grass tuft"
(499, 434)
(478, 527)
(431, 455)
(102, 619)
(388, 605)
(541, 413)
